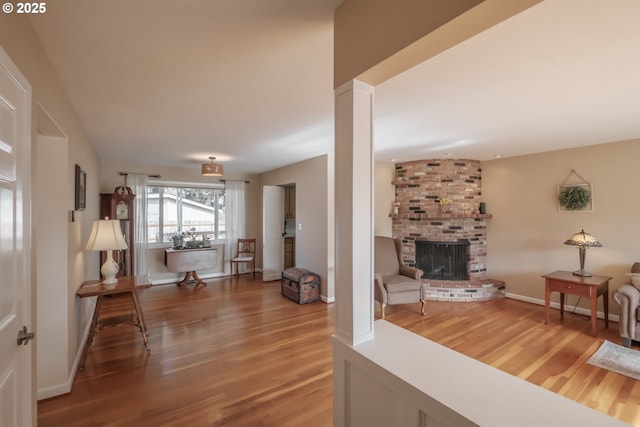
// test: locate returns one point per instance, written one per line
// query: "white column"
(354, 212)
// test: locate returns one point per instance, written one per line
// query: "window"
(173, 209)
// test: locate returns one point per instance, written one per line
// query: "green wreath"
(574, 198)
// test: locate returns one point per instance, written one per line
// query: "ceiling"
(250, 82)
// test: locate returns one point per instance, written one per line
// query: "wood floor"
(236, 353)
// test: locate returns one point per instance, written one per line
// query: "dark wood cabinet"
(289, 252)
(119, 205)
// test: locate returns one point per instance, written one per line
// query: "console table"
(592, 287)
(126, 285)
(188, 261)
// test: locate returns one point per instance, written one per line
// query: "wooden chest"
(300, 285)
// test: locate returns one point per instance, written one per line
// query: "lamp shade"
(106, 235)
(583, 239)
(211, 169)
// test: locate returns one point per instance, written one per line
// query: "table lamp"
(582, 240)
(106, 235)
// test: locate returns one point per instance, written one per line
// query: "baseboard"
(56, 390)
(203, 277)
(271, 276)
(327, 300)
(556, 305)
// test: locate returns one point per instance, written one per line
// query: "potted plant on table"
(178, 239)
(192, 236)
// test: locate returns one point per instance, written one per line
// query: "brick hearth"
(420, 185)
(462, 290)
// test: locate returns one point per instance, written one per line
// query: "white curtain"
(234, 217)
(138, 184)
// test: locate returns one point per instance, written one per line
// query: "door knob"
(24, 337)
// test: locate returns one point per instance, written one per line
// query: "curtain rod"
(225, 180)
(134, 173)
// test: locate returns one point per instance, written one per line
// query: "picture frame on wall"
(81, 185)
(575, 197)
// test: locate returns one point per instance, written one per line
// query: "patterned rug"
(618, 359)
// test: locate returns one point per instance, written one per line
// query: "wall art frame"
(574, 196)
(81, 189)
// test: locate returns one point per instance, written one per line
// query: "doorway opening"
(289, 226)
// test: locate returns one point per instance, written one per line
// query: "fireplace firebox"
(443, 260)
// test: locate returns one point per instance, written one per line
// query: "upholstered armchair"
(628, 296)
(395, 282)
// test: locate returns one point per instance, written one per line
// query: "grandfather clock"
(119, 205)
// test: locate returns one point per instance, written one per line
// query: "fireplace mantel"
(440, 216)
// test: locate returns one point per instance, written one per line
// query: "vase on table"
(177, 242)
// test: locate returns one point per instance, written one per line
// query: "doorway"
(272, 232)
(279, 230)
(289, 226)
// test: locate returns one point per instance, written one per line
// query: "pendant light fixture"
(211, 169)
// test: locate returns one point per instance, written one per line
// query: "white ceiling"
(564, 73)
(250, 82)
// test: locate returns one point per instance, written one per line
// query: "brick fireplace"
(420, 187)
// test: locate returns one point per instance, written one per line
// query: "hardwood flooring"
(511, 336)
(236, 353)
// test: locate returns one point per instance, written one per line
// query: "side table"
(126, 285)
(188, 261)
(592, 287)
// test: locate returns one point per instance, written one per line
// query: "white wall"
(50, 215)
(314, 198)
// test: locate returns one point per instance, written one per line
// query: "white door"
(272, 232)
(16, 399)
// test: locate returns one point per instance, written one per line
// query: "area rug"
(618, 359)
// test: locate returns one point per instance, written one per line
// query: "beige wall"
(384, 196)
(314, 210)
(20, 42)
(526, 234)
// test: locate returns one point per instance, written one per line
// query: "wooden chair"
(245, 253)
